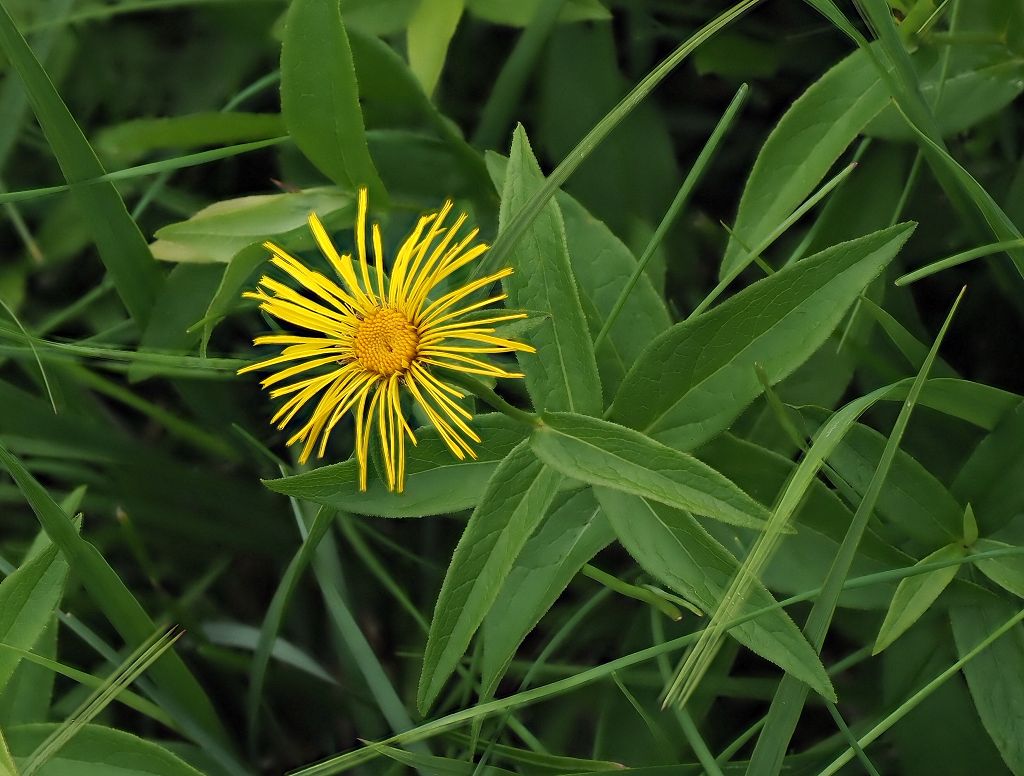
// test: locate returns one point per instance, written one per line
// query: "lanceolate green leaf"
(320, 96)
(602, 453)
(562, 374)
(115, 599)
(991, 676)
(99, 751)
(915, 594)
(436, 482)
(1007, 572)
(699, 375)
(572, 534)
(118, 239)
(672, 546)
(802, 148)
(28, 600)
(517, 498)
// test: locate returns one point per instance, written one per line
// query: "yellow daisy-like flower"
(375, 335)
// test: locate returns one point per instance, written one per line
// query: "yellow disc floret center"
(386, 342)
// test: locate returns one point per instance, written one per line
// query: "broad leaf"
(518, 14)
(602, 453)
(915, 594)
(429, 32)
(517, 498)
(571, 535)
(436, 482)
(98, 751)
(28, 600)
(1007, 571)
(694, 379)
(990, 480)
(992, 676)
(672, 546)
(562, 374)
(320, 96)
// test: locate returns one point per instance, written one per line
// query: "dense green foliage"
(756, 507)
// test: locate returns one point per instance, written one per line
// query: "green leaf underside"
(692, 381)
(602, 453)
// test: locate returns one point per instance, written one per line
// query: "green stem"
(707, 153)
(632, 591)
(487, 395)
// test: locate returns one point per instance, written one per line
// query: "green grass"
(754, 508)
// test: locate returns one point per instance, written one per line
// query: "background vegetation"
(147, 148)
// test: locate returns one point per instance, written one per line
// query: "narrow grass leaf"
(602, 453)
(674, 548)
(692, 381)
(118, 239)
(320, 96)
(915, 595)
(562, 374)
(790, 697)
(115, 599)
(516, 501)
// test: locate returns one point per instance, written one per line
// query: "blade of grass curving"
(348, 760)
(657, 602)
(958, 259)
(120, 243)
(126, 697)
(113, 597)
(275, 616)
(704, 158)
(502, 248)
(133, 667)
(663, 745)
(150, 168)
(848, 735)
(7, 766)
(755, 252)
(790, 697)
(917, 698)
(35, 354)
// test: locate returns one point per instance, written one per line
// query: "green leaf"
(602, 453)
(320, 96)
(693, 380)
(28, 600)
(429, 32)
(802, 148)
(1006, 571)
(518, 14)
(517, 498)
(98, 751)
(914, 595)
(125, 143)
(117, 237)
(115, 599)
(219, 232)
(970, 526)
(672, 546)
(562, 374)
(569, 537)
(436, 482)
(991, 675)
(438, 766)
(990, 480)
(600, 261)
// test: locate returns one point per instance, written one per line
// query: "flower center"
(386, 342)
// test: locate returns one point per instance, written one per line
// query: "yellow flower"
(376, 334)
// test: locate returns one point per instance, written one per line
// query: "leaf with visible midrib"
(694, 379)
(436, 481)
(672, 546)
(562, 374)
(517, 498)
(602, 453)
(320, 96)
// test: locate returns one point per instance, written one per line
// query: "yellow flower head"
(373, 334)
